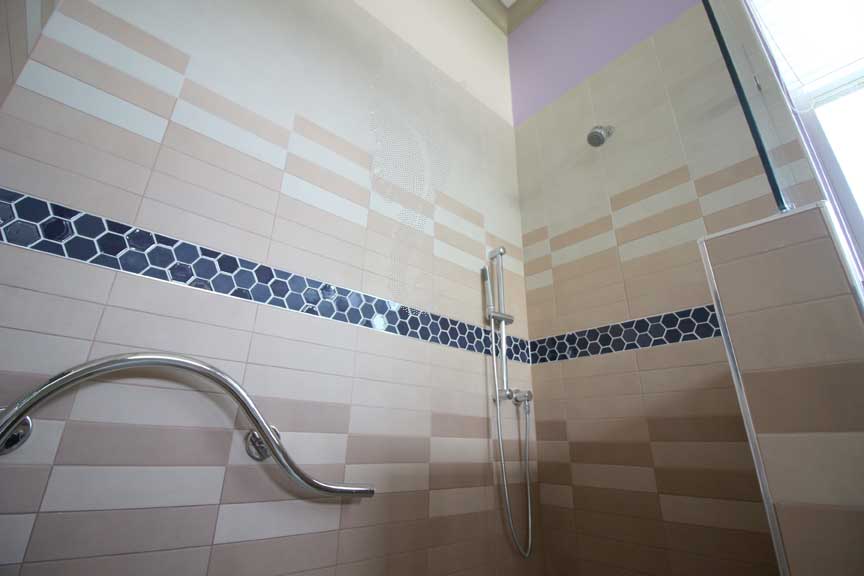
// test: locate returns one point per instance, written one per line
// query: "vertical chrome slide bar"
(497, 257)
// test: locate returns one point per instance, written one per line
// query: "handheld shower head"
(599, 135)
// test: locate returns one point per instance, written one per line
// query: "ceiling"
(507, 14)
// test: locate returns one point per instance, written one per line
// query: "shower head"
(599, 134)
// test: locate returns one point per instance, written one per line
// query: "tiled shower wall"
(644, 464)
(799, 350)
(348, 161)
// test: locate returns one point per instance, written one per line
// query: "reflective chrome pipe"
(262, 442)
(499, 319)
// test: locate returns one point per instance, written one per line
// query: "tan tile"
(804, 193)
(538, 265)
(714, 455)
(394, 193)
(622, 430)
(724, 484)
(215, 153)
(534, 236)
(30, 310)
(99, 444)
(730, 176)
(24, 488)
(684, 564)
(670, 258)
(298, 416)
(709, 351)
(321, 220)
(744, 213)
(513, 250)
(628, 503)
(708, 429)
(270, 557)
(387, 449)
(659, 222)
(334, 142)
(377, 541)
(16, 24)
(446, 475)
(730, 514)
(216, 104)
(651, 188)
(14, 385)
(267, 482)
(606, 407)
(649, 560)
(632, 478)
(7, 73)
(809, 399)
(91, 71)
(52, 115)
(191, 561)
(623, 528)
(576, 304)
(818, 332)
(719, 542)
(690, 403)
(597, 365)
(581, 233)
(327, 180)
(460, 241)
(787, 153)
(458, 426)
(554, 473)
(385, 508)
(623, 384)
(786, 231)
(600, 261)
(125, 33)
(686, 378)
(822, 540)
(620, 453)
(77, 534)
(551, 430)
(814, 468)
(790, 275)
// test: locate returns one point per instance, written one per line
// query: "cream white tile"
(297, 384)
(669, 238)
(322, 199)
(22, 351)
(405, 216)
(36, 271)
(292, 325)
(652, 205)
(16, 530)
(108, 487)
(304, 448)
(387, 395)
(389, 477)
(459, 450)
(456, 256)
(281, 353)
(326, 158)
(584, 248)
(739, 193)
(260, 520)
(28, 310)
(389, 422)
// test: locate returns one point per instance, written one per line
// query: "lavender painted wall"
(566, 41)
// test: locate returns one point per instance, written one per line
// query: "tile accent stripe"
(30, 222)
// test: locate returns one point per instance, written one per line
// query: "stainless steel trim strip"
(752, 439)
(17, 414)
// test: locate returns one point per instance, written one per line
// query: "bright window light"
(842, 121)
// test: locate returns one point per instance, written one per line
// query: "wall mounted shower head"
(599, 134)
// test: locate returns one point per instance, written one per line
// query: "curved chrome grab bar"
(16, 422)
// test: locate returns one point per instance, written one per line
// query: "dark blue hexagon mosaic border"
(32, 223)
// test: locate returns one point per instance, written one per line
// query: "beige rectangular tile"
(606, 431)
(24, 351)
(315, 266)
(646, 559)
(28, 140)
(609, 452)
(608, 385)
(56, 117)
(651, 188)
(103, 444)
(534, 236)
(387, 395)
(459, 208)
(25, 485)
(744, 213)
(727, 485)
(389, 477)
(692, 403)
(792, 229)
(289, 324)
(261, 520)
(270, 557)
(687, 378)
(790, 275)
(823, 331)
(281, 353)
(659, 222)
(706, 429)
(810, 399)
(669, 258)
(16, 24)
(606, 407)
(730, 176)
(459, 241)
(372, 367)
(320, 220)
(822, 539)
(91, 71)
(716, 455)
(814, 468)
(311, 240)
(635, 478)
(459, 426)
(748, 516)
(334, 142)
(203, 148)
(513, 251)
(68, 188)
(389, 422)
(387, 449)
(7, 74)
(103, 487)
(251, 482)
(122, 326)
(29, 310)
(327, 180)
(385, 508)
(455, 501)
(216, 104)
(67, 535)
(298, 416)
(624, 502)
(581, 233)
(124, 32)
(602, 260)
(719, 542)
(538, 265)
(695, 353)
(191, 561)
(553, 495)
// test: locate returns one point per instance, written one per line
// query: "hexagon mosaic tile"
(47, 227)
